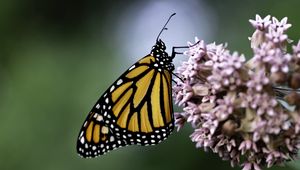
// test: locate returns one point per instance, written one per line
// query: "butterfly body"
(135, 109)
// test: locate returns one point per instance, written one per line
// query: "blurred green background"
(58, 56)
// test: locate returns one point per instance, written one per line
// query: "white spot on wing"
(112, 88)
(82, 140)
(119, 81)
(132, 67)
(84, 123)
(99, 118)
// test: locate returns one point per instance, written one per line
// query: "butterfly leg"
(174, 53)
(181, 47)
(177, 77)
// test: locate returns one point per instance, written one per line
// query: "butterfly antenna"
(165, 28)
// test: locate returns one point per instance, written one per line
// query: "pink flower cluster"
(246, 112)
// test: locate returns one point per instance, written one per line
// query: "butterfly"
(135, 110)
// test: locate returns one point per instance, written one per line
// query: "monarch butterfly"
(136, 109)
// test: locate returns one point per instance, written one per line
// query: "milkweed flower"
(248, 112)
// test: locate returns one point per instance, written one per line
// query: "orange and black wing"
(136, 109)
(95, 137)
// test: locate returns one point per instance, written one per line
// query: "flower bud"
(278, 77)
(295, 81)
(229, 127)
(200, 90)
(206, 107)
(293, 98)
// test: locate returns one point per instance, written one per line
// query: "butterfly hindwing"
(96, 138)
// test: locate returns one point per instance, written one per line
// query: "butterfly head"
(158, 50)
(162, 58)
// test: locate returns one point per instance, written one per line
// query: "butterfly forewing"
(136, 109)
